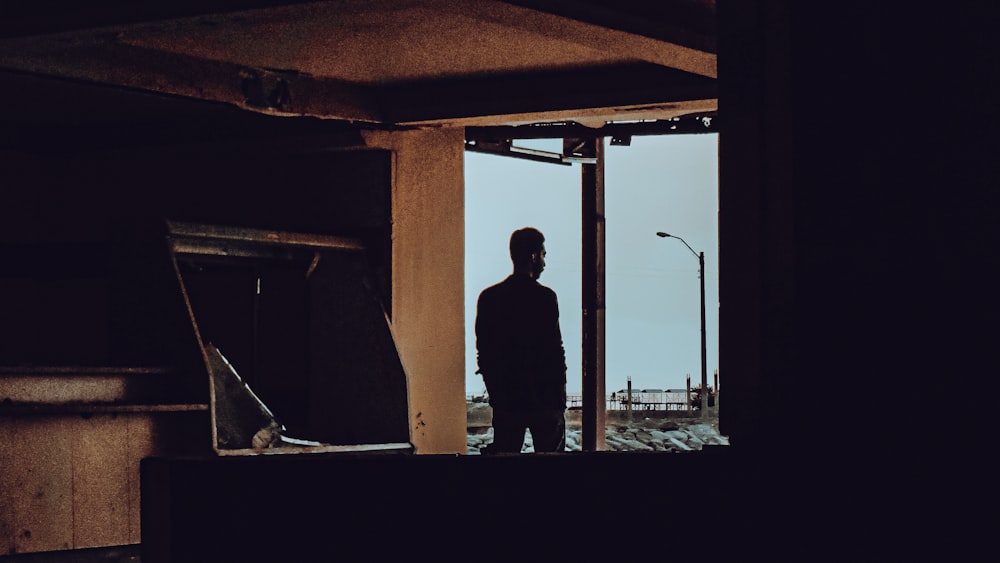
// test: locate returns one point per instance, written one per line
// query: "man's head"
(527, 251)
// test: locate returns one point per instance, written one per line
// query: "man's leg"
(508, 431)
(548, 431)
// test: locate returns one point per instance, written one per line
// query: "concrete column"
(428, 279)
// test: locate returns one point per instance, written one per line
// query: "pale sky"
(659, 183)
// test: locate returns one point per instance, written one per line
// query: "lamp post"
(702, 401)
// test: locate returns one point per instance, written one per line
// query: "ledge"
(80, 370)
(94, 408)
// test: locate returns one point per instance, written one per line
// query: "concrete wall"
(428, 276)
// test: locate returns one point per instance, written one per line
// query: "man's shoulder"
(493, 292)
(516, 286)
(494, 288)
(545, 289)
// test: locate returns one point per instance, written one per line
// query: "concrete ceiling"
(382, 62)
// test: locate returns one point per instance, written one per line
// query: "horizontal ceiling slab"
(385, 61)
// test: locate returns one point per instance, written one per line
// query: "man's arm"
(558, 350)
(486, 344)
(556, 357)
(483, 352)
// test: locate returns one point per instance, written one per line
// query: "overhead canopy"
(382, 62)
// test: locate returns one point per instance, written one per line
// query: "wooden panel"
(68, 409)
(72, 481)
(61, 389)
(139, 444)
(7, 488)
(42, 487)
(100, 481)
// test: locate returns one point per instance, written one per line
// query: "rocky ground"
(637, 431)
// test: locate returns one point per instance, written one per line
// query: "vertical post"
(628, 405)
(703, 396)
(716, 390)
(594, 408)
(688, 401)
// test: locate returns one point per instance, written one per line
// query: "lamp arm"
(686, 244)
(666, 235)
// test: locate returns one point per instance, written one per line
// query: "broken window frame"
(189, 241)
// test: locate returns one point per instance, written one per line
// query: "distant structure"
(649, 399)
(641, 399)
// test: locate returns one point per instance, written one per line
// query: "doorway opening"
(656, 183)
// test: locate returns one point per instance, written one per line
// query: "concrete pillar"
(428, 277)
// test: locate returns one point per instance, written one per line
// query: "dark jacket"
(519, 345)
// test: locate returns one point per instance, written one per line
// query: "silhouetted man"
(520, 352)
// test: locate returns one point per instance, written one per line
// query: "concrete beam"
(102, 59)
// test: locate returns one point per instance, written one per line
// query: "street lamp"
(702, 401)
